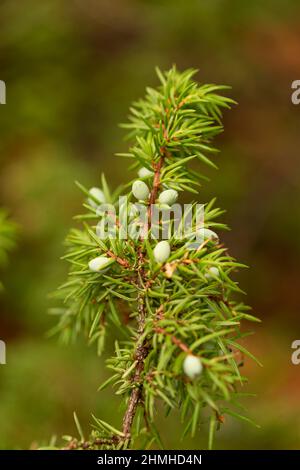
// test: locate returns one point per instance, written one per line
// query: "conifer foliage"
(169, 303)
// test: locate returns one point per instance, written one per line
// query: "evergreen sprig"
(180, 326)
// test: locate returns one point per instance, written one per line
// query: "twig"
(142, 348)
(121, 261)
(176, 341)
(140, 355)
(156, 183)
(74, 444)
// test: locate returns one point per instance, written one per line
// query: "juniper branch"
(183, 330)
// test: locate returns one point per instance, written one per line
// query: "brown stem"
(122, 262)
(85, 445)
(140, 355)
(176, 341)
(141, 351)
(156, 184)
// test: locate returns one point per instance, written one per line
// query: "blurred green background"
(71, 70)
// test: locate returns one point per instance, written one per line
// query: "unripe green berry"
(140, 190)
(169, 197)
(192, 366)
(145, 173)
(98, 194)
(203, 234)
(99, 264)
(212, 272)
(208, 234)
(162, 251)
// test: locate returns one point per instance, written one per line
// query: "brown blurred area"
(71, 70)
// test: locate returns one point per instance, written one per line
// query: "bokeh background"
(71, 69)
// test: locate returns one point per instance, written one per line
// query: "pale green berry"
(98, 194)
(162, 251)
(208, 234)
(194, 246)
(140, 190)
(169, 197)
(212, 272)
(145, 173)
(192, 366)
(100, 263)
(202, 235)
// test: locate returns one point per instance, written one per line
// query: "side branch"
(122, 262)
